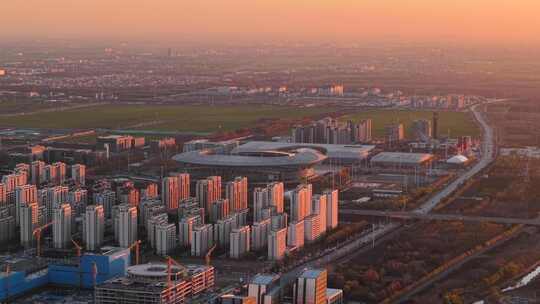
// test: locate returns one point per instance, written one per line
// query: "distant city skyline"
(461, 21)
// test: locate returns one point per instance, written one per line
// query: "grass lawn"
(457, 123)
(160, 118)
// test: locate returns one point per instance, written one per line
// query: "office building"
(165, 239)
(237, 193)
(259, 234)
(332, 208)
(127, 225)
(62, 219)
(93, 227)
(310, 287)
(296, 234)
(185, 229)
(240, 242)
(28, 222)
(78, 174)
(277, 244)
(202, 239)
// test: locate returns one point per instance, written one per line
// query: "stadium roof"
(357, 152)
(401, 157)
(299, 157)
(457, 159)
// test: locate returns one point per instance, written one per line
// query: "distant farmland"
(202, 118)
(455, 123)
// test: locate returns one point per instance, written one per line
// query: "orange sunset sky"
(467, 21)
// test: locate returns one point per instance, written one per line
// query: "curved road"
(354, 247)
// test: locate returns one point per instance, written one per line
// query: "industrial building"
(398, 160)
(27, 274)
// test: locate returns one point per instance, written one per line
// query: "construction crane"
(37, 234)
(136, 245)
(77, 247)
(170, 262)
(94, 274)
(208, 255)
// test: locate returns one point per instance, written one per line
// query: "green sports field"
(161, 118)
(453, 123)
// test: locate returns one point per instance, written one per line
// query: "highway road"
(441, 217)
(351, 248)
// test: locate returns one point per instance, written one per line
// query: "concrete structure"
(37, 172)
(151, 228)
(93, 227)
(148, 284)
(334, 296)
(319, 208)
(115, 143)
(205, 192)
(107, 199)
(62, 219)
(24, 195)
(219, 210)
(421, 130)
(277, 244)
(310, 287)
(312, 228)
(232, 299)
(240, 242)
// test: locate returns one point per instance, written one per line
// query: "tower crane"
(37, 234)
(208, 255)
(77, 247)
(170, 262)
(136, 245)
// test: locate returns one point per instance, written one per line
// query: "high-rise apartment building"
(240, 242)
(310, 287)
(28, 222)
(237, 193)
(174, 189)
(319, 207)
(127, 225)
(295, 234)
(219, 210)
(223, 229)
(312, 228)
(332, 205)
(37, 172)
(78, 174)
(259, 234)
(205, 193)
(300, 205)
(62, 219)
(277, 244)
(202, 239)
(165, 239)
(151, 227)
(185, 229)
(24, 195)
(93, 227)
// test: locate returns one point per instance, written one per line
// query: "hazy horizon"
(344, 21)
